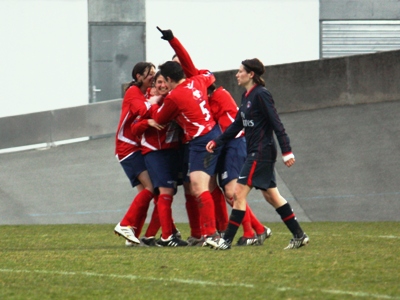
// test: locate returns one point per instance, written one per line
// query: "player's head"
(160, 84)
(211, 89)
(172, 71)
(175, 58)
(143, 74)
(252, 69)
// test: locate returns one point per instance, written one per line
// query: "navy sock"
(289, 218)
(235, 220)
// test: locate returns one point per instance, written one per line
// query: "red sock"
(255, 223)
(154, 224)
(221, 212)
(143, 209)
(138, 209)
(165, 213)
(192, 210)
(246, 223)
(207, 213)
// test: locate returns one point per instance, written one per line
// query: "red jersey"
(223, 106)
(152, 139)
(134, 105)
(186, 62)
(188, 105)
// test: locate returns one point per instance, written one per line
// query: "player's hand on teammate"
(166, 34)
(154, 99)
(211, 145)
(154, 124)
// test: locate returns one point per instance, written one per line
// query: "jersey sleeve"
(231, 132)
(186, 61)
(267, 106)
(140, 109)
(139, 127)
(167, 111)
(207, 77)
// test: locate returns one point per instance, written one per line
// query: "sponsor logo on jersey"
(246, 123)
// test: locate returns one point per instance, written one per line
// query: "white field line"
(362, 235)
(196, 282)
(130, 277)
(350, 293)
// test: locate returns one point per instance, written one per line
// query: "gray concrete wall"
(331, 82)
(116, 11)
(359, 10)
(301, 86)
(62, 124)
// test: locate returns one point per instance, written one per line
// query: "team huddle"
(177, 128)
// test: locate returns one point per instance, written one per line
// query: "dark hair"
(140, 68)
(173, 70)
(257, 67)
(211, 89)
(158, 74)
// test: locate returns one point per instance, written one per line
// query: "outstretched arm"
(167, 112)
(229, 134)
(186, 61)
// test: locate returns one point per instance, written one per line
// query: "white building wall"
(44, 55)
(219, 34)
(44, 44)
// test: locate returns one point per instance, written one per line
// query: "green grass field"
(342, 261)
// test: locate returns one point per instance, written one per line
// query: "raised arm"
(184, 58)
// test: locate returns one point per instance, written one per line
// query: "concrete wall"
(62, 124)
(303, 86)
(359, 10)
(325, 83)
(116, 11)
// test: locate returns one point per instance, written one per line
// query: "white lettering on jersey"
(204, 110)
(246, 123)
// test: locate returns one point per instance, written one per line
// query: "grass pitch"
(343, 261)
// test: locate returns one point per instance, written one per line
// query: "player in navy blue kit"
(258, 117)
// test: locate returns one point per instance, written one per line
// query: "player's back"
(190, 98)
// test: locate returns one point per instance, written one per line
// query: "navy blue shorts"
(162, 168)
(184, 167)
(258, 174)
(231, 160)
(199, 158)
(133, 165)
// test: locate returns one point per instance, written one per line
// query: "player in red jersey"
(159, 146)
(128, 152)
(233, 155)
(187, 104)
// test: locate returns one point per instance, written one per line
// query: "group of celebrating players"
(177, 128)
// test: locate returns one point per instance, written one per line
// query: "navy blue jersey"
(259, 119)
